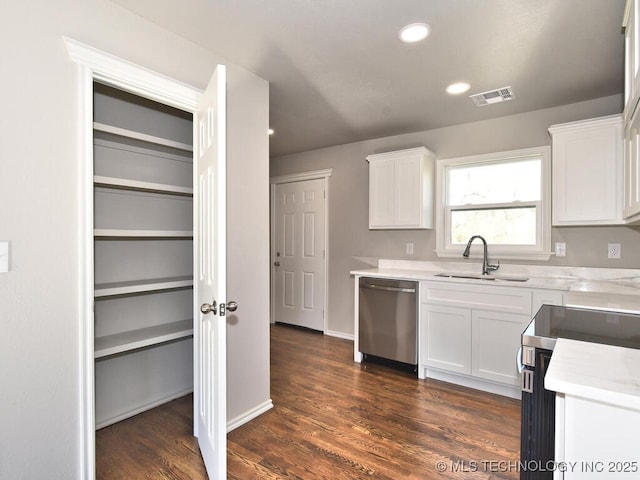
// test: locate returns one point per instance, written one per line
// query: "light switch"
(4, 257)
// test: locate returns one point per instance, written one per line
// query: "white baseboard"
(249, 415)
(142, 408)
(345, 336)
(478, 384)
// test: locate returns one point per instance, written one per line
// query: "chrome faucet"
(486, 266)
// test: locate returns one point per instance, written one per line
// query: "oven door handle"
(519, 363)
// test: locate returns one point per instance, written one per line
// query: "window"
(502, 196)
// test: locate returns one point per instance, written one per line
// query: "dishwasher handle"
(386, 288)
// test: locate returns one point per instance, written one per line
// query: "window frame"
(541, 251)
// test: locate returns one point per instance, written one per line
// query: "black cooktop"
(596, 326)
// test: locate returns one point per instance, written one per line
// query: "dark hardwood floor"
(156, 444)
(332, 419)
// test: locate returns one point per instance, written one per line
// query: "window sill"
(498, 255)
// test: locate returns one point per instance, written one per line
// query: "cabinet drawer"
(497, 299)
(545, 297)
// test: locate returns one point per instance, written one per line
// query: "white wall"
(350, 237)
(39, 189)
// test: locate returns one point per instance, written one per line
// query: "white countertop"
(599, 300)
(430, 275)
(597, 372)
(596, 288)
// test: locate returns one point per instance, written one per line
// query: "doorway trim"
(95, 65)
(301, 177)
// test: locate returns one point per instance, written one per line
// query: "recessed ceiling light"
(458, 88)
(414, 32)
(271, 132)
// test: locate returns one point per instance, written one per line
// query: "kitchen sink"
(473, 276)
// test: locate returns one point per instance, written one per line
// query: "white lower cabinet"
(595, 440)
(470, 334)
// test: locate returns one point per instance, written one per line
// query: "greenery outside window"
(505, 197)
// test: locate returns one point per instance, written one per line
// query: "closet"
(143, 254)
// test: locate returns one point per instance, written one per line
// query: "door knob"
(209, 308)
(232, 306)
(277, 264)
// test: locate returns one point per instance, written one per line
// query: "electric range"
(537, 437)
(595, 326)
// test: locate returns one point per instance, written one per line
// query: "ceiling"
(338, 73)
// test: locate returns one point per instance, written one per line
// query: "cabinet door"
(587, 169)
(381, 193)
(496, 339)
(632, 61)
(408, 205)
(445, 338)
(632, 169)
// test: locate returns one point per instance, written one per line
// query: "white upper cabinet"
(631, 117)
(632, 58)
(587, 172)
(632, 170)
(401, 189)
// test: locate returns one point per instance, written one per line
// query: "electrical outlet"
(613, 250)
(561, 249)
(409, 248)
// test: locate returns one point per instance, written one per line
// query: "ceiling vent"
(493, 96)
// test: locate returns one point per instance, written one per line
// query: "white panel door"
(210, 271)
(299, 253)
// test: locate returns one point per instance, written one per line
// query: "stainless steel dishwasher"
(388, 319)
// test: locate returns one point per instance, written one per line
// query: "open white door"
(210, 412)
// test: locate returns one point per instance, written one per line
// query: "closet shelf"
(141, 286)
(138, 186)
(124, 132)
(141, 338)
(125, 233)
